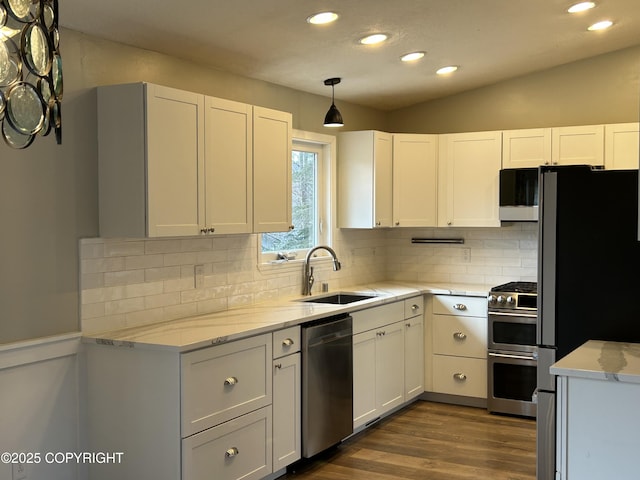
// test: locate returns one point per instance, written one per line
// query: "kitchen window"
(311, 161)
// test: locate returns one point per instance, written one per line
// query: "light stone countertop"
(599, 360)
(213, 328)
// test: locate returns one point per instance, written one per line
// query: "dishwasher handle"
(330, 337)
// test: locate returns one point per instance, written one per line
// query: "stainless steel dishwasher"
(327, 383)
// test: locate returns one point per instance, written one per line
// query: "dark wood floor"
(432, 441)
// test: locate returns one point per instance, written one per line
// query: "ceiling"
(270, 40)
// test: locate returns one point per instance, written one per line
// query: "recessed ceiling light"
(373, 39)
(581, 7)
(322, 18)
(412, 57)
(446, 70)
(603, 25)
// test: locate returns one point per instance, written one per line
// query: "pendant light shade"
(333, 118)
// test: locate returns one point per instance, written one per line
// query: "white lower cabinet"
(237, 449)
(457, 336)
(287, 416)
(387, 358)
(229, 411)
(413, 347)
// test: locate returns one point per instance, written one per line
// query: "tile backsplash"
(129, 282)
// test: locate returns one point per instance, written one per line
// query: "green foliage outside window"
(304, 207)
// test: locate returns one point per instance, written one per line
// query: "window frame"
(325, 145)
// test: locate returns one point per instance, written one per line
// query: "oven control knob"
(501, 299)
(510, 301)
(492, 299)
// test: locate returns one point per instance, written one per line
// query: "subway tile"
(161, 273)
(91, 248)
(138, 262)
(162, 246)
(96, 265)
(183, 258)
(123, 249)
(124, 306)
(196, 244)
(125, 277)
(183, 310)
(161, 300)
(145, 317)
(91, 280)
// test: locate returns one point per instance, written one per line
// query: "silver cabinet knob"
(459, 336)
(415, 307)
(378, 223)
(449, 223)
(459, 377)
(203, 230)
(397, 224)
(278, 366)
(291, 227)
(232, 452)
(231, 381)
(287, 342)
(460, 306)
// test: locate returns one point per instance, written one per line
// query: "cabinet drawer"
(286, 341)
(413, 307)
(225, 381)
(377, 317)
(460, 376)
(238, 449)
(460, 336)
(459, 305)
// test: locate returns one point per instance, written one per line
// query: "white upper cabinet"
(228, 165)
(387, 179)
(526, 148)
(176, 163)
(365, 173)
(415, 180)
(272, 137)
(621, 146)
(468, 179)
(581, 145)
(151, 158)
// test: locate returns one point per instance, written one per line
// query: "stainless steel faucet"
(308, 269)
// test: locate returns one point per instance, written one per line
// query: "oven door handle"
(518, 357)
(512, 314)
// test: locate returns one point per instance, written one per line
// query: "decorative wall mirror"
(30, 71)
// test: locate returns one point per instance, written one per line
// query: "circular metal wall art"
(30, 71)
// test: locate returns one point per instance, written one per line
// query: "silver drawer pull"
(232, 452)
(278, 366)
(287, 342)
(231, 381)
(459, 336)
(415, 307)
(460, 377)
(460, 306)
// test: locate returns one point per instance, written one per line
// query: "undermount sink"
(340, 298)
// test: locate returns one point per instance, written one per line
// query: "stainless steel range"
(512, 358)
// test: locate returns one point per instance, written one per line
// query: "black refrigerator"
(588, 275)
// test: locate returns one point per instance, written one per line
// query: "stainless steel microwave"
(519, 194)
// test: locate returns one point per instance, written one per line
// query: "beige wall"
(603, 89)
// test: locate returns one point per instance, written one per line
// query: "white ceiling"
(270, 40)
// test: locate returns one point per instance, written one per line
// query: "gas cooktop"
(517, 287)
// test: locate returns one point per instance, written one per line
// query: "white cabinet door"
(228, 166)
(175, 156)
(272, 131)
(235, 450)
(364, 378)
(415, 180)
(286, 411)
(581, 145)
(468, 179)
(621, 146)
(365, 179)
(389, 366)
(526, 148)
(413, 357)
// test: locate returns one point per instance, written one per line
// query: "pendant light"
(333, 118)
